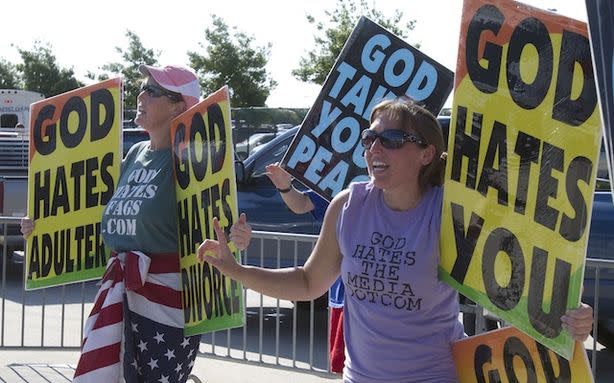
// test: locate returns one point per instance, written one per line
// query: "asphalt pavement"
(53, 366)
(36, 366)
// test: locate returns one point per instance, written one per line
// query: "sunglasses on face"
(390, 139)
(156, 91)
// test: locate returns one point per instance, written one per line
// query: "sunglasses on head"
(157, 91)
(390, 139)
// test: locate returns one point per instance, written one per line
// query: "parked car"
(246, 147)
(258, 197)
(266, 211)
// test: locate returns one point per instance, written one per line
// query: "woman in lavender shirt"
(382, 237)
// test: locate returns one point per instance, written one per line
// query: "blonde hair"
(416, 118)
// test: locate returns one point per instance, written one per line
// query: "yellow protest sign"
(507, 355)
(75, 158)
(524, 140)
(205, 188)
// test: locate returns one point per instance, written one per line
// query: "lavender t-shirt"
(399, 319)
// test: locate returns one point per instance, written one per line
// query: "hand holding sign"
(241, 233)
(217, 252)
(27, 226)
(579, 322)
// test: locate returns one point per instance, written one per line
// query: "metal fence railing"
(598, 267)
(276, 332)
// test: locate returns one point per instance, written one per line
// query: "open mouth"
(378, 166)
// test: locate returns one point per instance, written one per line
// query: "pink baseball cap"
(175, 79)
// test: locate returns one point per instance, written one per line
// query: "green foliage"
(330, 37)
(41, 73)
(9, 77)
(133, 56)
(231, 60)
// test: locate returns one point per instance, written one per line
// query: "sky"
(85, 38)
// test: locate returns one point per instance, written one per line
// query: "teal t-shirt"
(142, 215)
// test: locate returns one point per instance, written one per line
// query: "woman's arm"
(300, 283)
(296, 201)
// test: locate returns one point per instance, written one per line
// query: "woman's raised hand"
(279, 176)
(217, 253)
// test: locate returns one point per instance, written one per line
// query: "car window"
(8, 120)
(275, 154)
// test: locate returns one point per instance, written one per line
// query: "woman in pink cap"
(135, 330)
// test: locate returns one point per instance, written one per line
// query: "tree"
(135, 55)
(41, 73)
(330, 38)
(231, 60)
(9, 77)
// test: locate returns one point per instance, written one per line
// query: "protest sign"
(374, 65)
(600, 21)
(524, 140)
(508, 355)
(75, 157)
(205, 188)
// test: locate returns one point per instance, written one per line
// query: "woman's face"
(153, 112)
(394, 168)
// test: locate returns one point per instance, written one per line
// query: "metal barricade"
(598, 266)
(276, 333)
(51, 318)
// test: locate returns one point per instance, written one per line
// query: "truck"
(15, 130)
(14, 137)
(15, 110)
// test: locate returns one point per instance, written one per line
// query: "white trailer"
(15, 109)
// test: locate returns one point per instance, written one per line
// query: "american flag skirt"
(135, 330)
